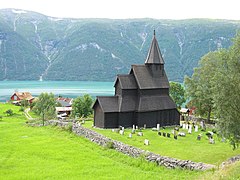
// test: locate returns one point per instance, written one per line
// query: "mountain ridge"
(33, 45)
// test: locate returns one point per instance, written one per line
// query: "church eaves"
(154, 53)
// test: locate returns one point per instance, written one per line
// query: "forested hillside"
(33, 45)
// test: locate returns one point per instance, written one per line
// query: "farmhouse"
(141, 97)
(19, 96)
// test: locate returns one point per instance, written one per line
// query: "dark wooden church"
(141, 97)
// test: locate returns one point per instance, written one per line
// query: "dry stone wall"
(101, 140)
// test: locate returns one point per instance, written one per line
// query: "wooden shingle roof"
(107, 103)
(127, 81)
(145, 79)
(154, 53)
(155, 103)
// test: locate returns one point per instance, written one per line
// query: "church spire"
(154, 53)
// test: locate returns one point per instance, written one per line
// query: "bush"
(109, 145)
(9, 112)
(21, 109)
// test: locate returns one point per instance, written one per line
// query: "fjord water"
(58, 88)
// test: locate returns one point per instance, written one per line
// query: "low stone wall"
(132, 151)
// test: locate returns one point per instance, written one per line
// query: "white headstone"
(140, 134)
(144, 126)
(158, 127)
(133, 127)
(136, 127)
(190, 129)
(146, 142)
(196, 128)
(123, 128)
(184, 126)
(130, 135)
(121, 132)
(113, 130)
(181, 123)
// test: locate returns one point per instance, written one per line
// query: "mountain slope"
(34, 45)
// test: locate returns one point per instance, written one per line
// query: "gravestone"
(154, 129)
(159, 133)
(199, 137)
(133, 127)
(182, 134)
(144, 126)
(190, 129)
(136, 127)
(184, 126)
(133, 131)
(168, 135)
(130, 135)
(158, 127)
(113, 130)
(211, 141)
(175, 137)
(164, 134)
(121, 132)
(146, 142)
(140, 134)
(196, 128)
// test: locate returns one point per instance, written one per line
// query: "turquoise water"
(63, 88)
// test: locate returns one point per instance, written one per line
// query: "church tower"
(154, 59)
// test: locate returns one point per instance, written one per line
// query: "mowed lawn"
(52, 153)
(186, 148)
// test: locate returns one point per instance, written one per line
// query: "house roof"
(24, 95)
(154, 103)
(127, 81)
(107, 103)
(64, 101)
(59, 109)
(145, 79)
(154, 53)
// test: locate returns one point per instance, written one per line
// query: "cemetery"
(197, 143)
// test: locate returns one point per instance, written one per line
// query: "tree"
(177, 93)
(227, 93)
(214, 86)
(45, 106)
(199, 87)
(82, 106)
(24, 103)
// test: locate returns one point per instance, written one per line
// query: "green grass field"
(186, 148)
(53, 153)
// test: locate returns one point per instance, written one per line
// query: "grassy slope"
(187, 148)
(50, 153)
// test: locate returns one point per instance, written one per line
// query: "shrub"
(9, 112)
(21, 109)
(109, 145)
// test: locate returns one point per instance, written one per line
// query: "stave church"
(141, 97)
